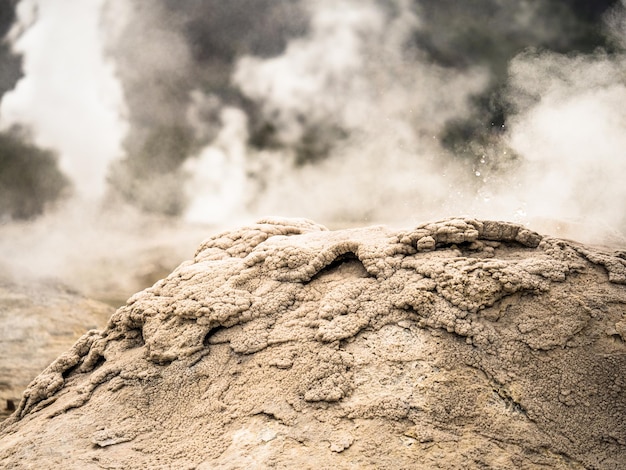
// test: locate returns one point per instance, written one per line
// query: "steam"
(616, 24)
(347, 112)
(570, 128)
(380, 109)
(69, 96)
(217, 178)
(349, 89)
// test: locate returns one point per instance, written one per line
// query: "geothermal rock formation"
(38, 322)
(457, 344)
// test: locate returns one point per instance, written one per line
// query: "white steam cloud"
(69, 97)
(217, 178)
(351, 73)
(570, 129)
(555, 168)
(372, 109)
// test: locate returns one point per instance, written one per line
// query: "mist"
(68, 97)
(156, 123)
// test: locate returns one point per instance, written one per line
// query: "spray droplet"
(477, 173)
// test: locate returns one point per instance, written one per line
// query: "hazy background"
(132, 129)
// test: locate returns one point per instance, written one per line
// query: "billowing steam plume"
(359, 111)
(344, 111)
(68, 98)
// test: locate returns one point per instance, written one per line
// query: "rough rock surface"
(457, 344)
(38, 322)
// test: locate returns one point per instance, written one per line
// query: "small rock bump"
(426, 244)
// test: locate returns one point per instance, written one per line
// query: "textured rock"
(39, 321)
(457, 344)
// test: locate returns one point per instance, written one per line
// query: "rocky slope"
(456, 344)
(38, 322)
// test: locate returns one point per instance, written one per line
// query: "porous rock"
(456, 344)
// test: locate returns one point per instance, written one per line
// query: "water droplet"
(477, 173)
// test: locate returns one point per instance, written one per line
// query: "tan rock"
(287, 345)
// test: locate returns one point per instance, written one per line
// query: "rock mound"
(457, 344)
